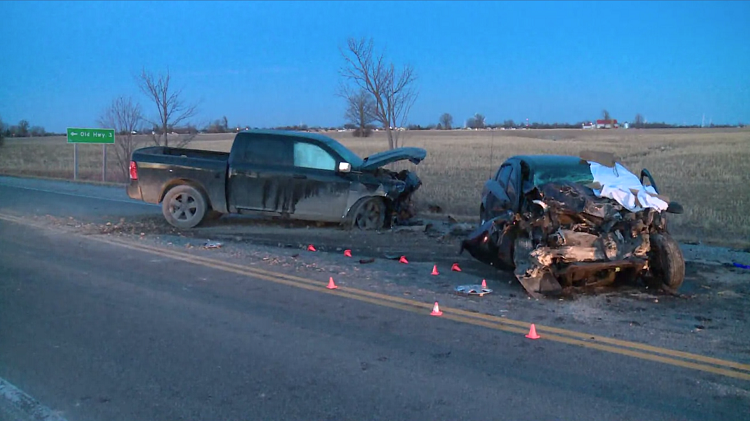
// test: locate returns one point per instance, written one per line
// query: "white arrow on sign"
(74, 133)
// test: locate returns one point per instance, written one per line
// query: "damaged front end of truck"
(375, 181)
(566, 235)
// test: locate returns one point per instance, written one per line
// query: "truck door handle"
(300, 176)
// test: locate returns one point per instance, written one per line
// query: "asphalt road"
(100, 332)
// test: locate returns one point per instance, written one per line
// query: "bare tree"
(605, 114)
(171, 107)
(218, 126)
(37, 131)
(446, 121)
(393, 91)
(123, 116)
(638, 121)
(360, 110)
(476, 122)
(23, 128)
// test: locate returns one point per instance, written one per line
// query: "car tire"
(369, 214)
(184, 206)
(666, 262)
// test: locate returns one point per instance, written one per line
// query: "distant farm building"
(606, 124)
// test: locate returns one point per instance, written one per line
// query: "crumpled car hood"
(380, 159)
(567, 236)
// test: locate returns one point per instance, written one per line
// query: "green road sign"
(78, 135)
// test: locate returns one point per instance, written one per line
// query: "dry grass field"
(707, 170)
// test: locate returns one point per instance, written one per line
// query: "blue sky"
(269, 64)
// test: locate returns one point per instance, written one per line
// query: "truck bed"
(160, 166)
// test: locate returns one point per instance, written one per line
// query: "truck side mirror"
(345, 167)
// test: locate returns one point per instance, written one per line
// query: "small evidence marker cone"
(484, 283)
(311, 248)
(455, 267)
(435, 271)
(348, 253)
(436, 310)
(331, 285)
(403, 260)
(532, 333)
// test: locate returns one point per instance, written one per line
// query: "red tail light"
(133, 171)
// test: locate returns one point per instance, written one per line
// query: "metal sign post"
(104, 162)
(103, 137)
(75, 161)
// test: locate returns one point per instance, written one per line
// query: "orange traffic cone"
(434, 270)
(331, 285)
(484, 283)
(436, 310)
(455, 267)
(348, 253)
(403, 260)
(311, 248)
(532, 333)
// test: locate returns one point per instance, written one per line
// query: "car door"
(260, 177)
(320, 192)
(496, 200)
(513, 187)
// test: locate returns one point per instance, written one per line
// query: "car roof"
(544, 161)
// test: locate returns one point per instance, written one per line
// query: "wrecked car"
(563, 222)
(295, 175)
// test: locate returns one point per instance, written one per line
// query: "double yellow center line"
(601, 343)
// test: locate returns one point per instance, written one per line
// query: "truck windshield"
(346, 154)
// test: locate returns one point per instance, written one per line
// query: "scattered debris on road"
(212, 245)
(472, 290)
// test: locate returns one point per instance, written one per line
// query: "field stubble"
(706, 170)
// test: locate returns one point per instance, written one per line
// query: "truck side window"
(307, 155)
(268, 151)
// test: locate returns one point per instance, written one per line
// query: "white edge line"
(132, 202)
(25, 404)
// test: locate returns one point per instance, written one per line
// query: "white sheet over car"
(623, 186)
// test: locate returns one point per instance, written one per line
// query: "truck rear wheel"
(666, 262)
(184, 206)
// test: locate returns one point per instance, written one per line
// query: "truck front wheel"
(369, 214)
(184, 206)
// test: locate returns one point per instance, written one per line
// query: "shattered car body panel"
(559, 232)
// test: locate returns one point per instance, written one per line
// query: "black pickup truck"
(297, 175)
